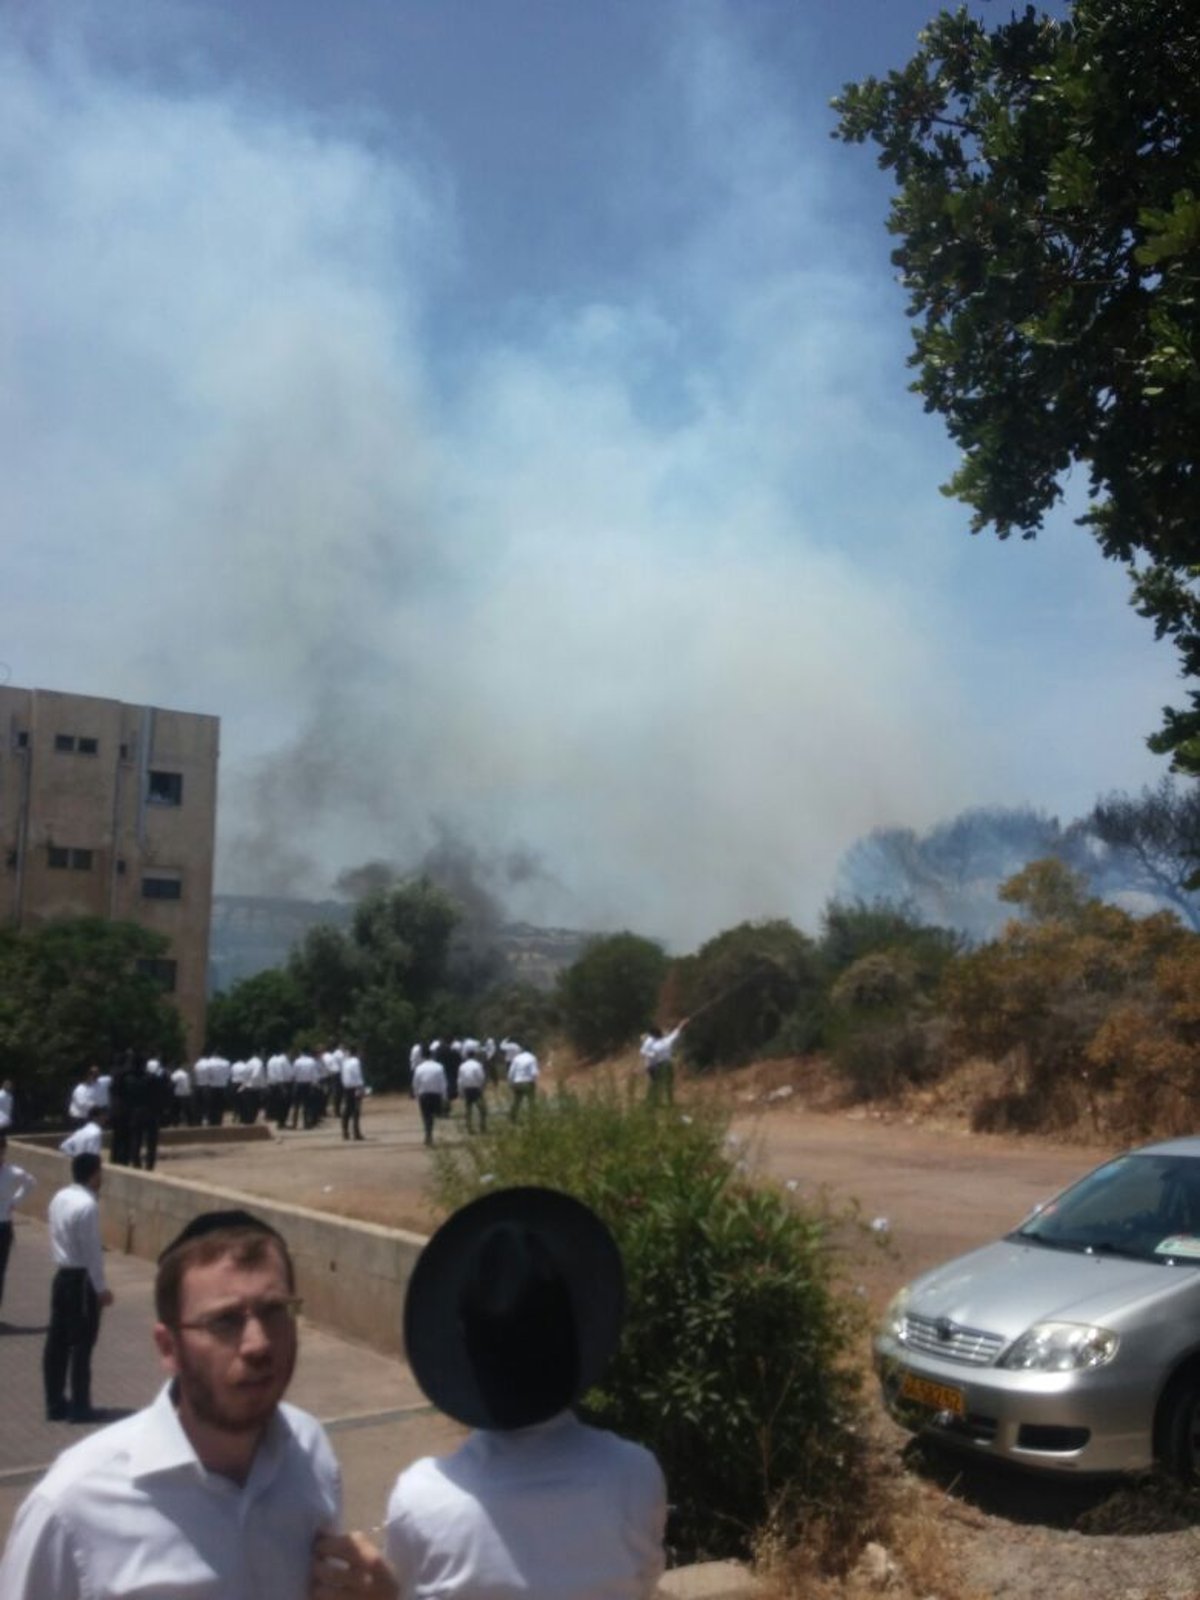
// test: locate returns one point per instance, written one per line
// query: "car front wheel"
(1179, 1427)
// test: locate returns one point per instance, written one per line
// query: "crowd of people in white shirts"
(443, 1069)
(298, 1091)
(291, 1091)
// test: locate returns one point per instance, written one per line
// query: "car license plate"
(937, 1396)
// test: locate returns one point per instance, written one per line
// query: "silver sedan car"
(1073, 1343)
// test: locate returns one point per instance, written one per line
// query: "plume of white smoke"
(599, 601)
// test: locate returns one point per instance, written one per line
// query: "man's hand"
(106, 1299)
(347, 1564)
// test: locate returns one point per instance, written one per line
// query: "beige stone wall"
(352, 1275)
(96, 798)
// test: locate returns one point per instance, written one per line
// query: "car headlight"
(1061, 1347)
(894, 1318)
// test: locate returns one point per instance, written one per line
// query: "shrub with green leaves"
(611, 993)
(733, 1363)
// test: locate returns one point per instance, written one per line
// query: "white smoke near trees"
(581, 595)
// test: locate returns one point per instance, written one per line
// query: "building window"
(124, 752)
(158, 887)
(57, 855)
(165, 788)
(89, 747)
(120, 866)
(64, 741)
(22, 740)
(163, 972)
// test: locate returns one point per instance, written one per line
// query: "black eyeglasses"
(228, 1326)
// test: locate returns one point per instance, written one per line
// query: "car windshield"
(1143, 1206)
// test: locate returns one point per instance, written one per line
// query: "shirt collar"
(161, 1445)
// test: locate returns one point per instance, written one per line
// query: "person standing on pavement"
(523, 1074)
(144, 1096)
(472, 1080)
(88, 1140)
(304, 1087)
(219, 1071)
(182, 1097)
(218, 1488)
(15, 1184)
(332, 1061)
(78, 1294)
(353, 1089)
(513, 1311)
(429, 1091)
(79, 1107)
(118, 1115)
(101, 1096)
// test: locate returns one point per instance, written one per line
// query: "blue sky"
(496, 411)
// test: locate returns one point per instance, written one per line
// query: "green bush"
(732, 1366)
(742, 987)
(74, 991)
(610, 994)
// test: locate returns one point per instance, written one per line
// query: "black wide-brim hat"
(583, 1258)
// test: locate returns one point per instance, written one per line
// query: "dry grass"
(892, 1536)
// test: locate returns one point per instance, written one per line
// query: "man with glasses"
(217, 1489)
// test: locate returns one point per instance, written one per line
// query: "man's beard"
(215, 1411)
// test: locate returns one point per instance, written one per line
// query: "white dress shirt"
(88, 1140)
(560, 1511)
(471, 1074)
(6, 1108)
(74, 1218)
(523, 1067)
(305, 1068)
(81, 1101)
(657, 1052)
(429, 1078)
(130, 1511)
(15, 1184)
(181, 1083)
(352, 1073)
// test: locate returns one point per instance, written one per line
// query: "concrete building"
(109, 810)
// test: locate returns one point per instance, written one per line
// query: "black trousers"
(351, 1111)
(70, 1340)
(474, 1101)
(431, 1108)
(143, 1141)
(6, 1239)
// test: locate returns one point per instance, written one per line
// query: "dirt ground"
(922, 1188)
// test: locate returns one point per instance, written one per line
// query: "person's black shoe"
(85, 1414)
(56, 1413)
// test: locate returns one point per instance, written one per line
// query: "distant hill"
(253, 932)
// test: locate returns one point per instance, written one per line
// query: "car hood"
(1004, 1287)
